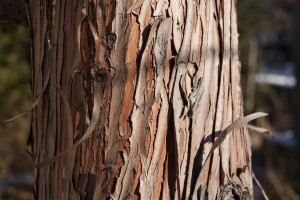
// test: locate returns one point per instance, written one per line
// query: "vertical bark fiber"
(156, 81)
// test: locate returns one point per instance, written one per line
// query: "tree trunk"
(155, 81)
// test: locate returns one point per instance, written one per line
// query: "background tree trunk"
(156, 80)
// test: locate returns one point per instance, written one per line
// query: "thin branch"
(260, 186)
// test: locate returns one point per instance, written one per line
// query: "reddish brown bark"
(155, 81)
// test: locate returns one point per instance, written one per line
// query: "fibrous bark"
(157, 80)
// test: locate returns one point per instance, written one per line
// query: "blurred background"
(15, 97)
(270, 56)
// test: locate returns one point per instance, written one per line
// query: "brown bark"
(156, 98)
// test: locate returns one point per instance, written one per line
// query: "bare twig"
(260, 186)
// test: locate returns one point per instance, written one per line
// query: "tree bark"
(156, 81)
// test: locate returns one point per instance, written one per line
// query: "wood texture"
(158, 80)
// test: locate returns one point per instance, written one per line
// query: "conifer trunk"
(156, 81)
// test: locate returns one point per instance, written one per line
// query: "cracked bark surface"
(163, 78)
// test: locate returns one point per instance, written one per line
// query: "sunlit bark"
(159, 79)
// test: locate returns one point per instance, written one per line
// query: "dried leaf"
(259, 129)
(239, 123)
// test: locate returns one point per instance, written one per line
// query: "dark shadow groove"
(171, 153)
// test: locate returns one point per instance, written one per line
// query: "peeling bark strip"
(152, 83)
